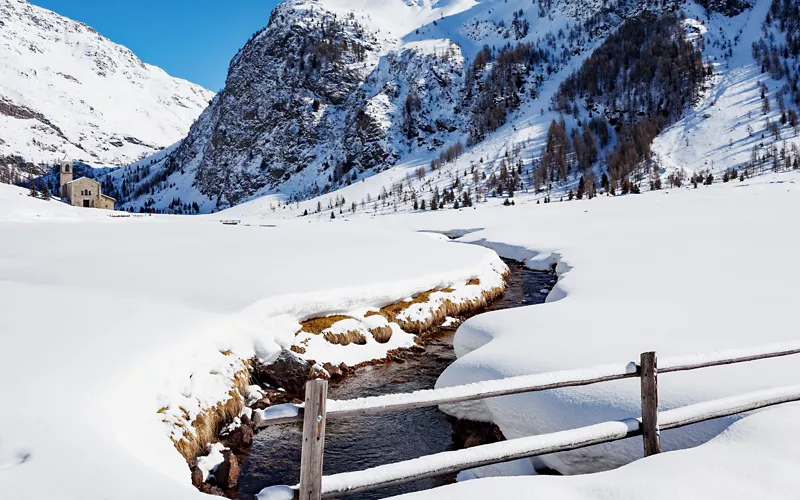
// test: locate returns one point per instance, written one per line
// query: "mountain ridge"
(333, 93)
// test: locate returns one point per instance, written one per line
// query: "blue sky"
(191, 39)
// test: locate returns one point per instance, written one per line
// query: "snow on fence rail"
(317, 409)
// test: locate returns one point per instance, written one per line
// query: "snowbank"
(756, 455)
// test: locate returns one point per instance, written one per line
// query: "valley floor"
(105, 321)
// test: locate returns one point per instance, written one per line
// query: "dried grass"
(347, 338)
(210, 422)
(447, 308)
(450, 308)
(316, 326)
(381, 334)
(474, 281)
(391, 311)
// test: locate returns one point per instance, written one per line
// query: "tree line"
(640, 80)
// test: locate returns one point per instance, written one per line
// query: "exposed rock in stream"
(227, 474)
(468, 433)
(240, 439)
(336, 372)
(289, 372)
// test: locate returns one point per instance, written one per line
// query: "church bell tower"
(65, 177)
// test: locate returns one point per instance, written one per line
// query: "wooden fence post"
(313, 440)
(649, 380)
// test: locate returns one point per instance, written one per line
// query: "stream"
(368, 441)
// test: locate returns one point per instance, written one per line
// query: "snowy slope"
(722, 130)
(67, 90)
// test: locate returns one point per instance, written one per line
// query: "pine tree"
(45, 192)
(33, 193)
(333, 215)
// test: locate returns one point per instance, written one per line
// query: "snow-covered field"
(139, 311)
(110, 327)
(106, 320)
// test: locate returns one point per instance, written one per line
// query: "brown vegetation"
(381, 334)
(445, 309)
(316, 326)
(208, 424)
(347, 338)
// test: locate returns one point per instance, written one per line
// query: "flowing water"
(368, 441)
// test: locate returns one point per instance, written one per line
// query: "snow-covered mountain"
(332, 92)
(67, 90)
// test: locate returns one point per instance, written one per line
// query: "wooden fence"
(318, 409)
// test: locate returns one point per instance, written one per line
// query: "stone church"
(82, 192)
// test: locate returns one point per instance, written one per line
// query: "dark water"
(368, 441)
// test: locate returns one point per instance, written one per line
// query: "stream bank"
(368, 441)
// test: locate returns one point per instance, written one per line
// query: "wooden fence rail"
(317, 409)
